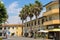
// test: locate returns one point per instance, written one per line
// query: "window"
(13, 27)
(35, 22)
(31, 23)
(4, 33)
(0, 28)
(50, 27)
(42, 21)
(38, 29)
(50, 18)
(4, 28)
(27, 24)
(0, 34)
(8, 27)
(46, 19)
(59, 17)
(38, 22)
(49, 8)
(59, 26)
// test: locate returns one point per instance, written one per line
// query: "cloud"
(14, 8)
(14, 20)
(13, 12)
(44, 10)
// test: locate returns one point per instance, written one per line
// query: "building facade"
(11, 29)
(52, 20)
(3, 32)
(49, 21)
(34, 25)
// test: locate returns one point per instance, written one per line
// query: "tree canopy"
(3, 13)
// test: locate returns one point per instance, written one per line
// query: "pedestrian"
(35, 34)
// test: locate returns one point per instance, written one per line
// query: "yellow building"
(52, 19)
(13, 29)
(19, 31)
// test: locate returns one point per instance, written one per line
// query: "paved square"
(22, 38)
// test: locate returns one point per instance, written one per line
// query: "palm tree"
(30, 14)
(3, 13)
(23, 17)
(28, 11)
(26, 7)
(37, 8)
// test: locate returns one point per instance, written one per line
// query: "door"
(57, 36)
(51, 35)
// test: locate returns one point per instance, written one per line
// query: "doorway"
(54, 35)
(51, 35)
(12, 34)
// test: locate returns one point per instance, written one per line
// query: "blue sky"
(14, 6)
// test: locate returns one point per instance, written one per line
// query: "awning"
(55, 30)
(43, 31)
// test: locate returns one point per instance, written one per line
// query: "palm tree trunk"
(35, 29)
(36, 16)
(30, 23)
(26, 20)
(30, 26)
(22, 27)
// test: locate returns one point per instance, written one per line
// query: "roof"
(49, 3)
(11, 25)
(35, 19)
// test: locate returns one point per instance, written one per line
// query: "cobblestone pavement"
(23, 38)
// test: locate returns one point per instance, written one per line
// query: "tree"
(26, 7)
(22, 17)
(37, 8)
(30, 13)
(30, 10)
(3, 13)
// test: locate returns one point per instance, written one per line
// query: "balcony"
(53, 11)
(52, 22)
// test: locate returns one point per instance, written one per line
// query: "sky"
(14, 7)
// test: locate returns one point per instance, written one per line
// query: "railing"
(53, 11)
(51, 22)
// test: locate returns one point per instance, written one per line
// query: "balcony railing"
(51, 22)
(53, 11)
